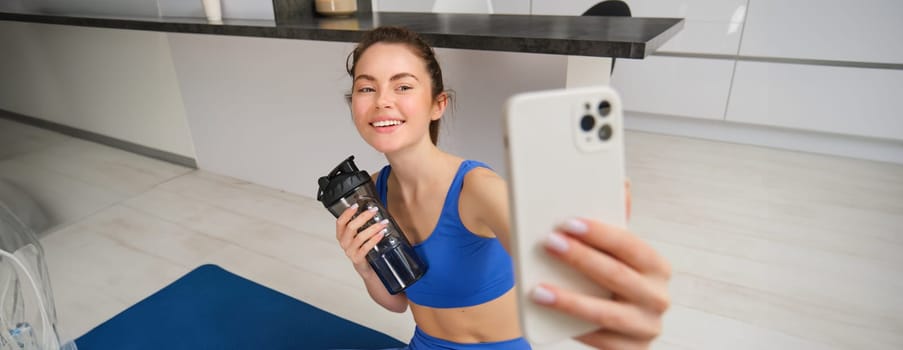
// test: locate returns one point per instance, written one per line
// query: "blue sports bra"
(464, 269)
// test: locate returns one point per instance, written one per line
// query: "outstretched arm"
(613, 257)
(485, 200)
(621, 262)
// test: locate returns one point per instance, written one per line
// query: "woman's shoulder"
(484, 201)
(481, 181)
(481, 172)
(376, 174)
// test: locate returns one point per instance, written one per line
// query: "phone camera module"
(604, 108)
(587, 122)
(605, 132)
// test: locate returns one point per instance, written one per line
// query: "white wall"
(13, 6)
(96, 7)
(256, 106)
(246, 9)
(710, 26)
(677, 86)
(831, 72)
(838, 100)
(271, 112)
(511, 7)
(861, 31)
(118, 83)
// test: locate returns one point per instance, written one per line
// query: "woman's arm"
(395, 303)
(613, 257)
(484, 201)
(621, 262)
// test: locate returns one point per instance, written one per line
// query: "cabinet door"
(843, 100)
(860, 31)
(711, 26)
(95, 7)
(509, 7)
(689, 87)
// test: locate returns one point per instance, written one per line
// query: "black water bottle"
(393, 258)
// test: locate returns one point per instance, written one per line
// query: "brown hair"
(400, 35)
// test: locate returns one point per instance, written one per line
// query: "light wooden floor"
(771, 249)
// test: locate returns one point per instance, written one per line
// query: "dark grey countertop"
(622, 37)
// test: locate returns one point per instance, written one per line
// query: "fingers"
(619, 243)
(357, 244)
(609, 273)
(603, 339)
(364, 216)
(365, 240)
(612, 316)
(343, 220)
(346, 230)
(628, 199)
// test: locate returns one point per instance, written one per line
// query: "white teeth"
(383, 123)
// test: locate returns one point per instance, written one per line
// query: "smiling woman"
(455, 213)
(427, 78)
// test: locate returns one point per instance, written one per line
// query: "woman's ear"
(440, 106)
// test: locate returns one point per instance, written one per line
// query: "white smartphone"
(565, 153)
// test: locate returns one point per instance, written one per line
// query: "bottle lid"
(340, 182)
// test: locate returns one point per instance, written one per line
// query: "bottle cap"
(340, 182)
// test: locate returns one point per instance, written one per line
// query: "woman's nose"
(383, 100)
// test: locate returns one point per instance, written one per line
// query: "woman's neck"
(419, 167)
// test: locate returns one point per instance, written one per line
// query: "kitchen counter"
(620, 37)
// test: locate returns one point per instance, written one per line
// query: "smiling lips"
(388, 125)
(384, 123)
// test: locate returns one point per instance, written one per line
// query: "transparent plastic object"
(393, 258)
(27, 313)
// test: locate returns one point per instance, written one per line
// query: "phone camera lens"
(604, 108)
(587, 122)
(605, 132)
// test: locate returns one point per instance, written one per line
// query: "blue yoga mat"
(211, 308)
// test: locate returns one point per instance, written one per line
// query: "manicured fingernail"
(384, 222)
(372, 208)
(574, 226)
(542, 295)
(556, 242)
(354, 206)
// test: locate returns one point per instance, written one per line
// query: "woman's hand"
(356, 245)
(618, 261)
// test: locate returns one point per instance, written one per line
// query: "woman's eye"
(404, 88)
(365, 89)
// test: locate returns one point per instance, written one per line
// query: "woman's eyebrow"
(403, 75)
(365, 77)
(394, 77)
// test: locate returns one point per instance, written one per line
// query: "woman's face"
(391, 99)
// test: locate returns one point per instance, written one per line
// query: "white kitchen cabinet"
(403, 5)
(842, 100)
(676, 86)
(562, 8)
(859, 31)
(510, 7)
(711, 26)
(705, 37)
(706, 10)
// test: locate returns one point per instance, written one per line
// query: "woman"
(455, 212)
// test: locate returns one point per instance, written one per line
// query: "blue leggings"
(423, 341)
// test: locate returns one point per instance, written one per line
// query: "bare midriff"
(492, 321)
